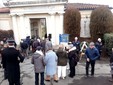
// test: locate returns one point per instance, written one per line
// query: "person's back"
(39, 66)
(24, 45)
(11, 56)
(62, 57)
(51, 57)
(36, 43)
(37, 60)
(11, 59)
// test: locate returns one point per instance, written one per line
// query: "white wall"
(5, 22)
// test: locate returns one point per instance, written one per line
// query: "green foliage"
(72, 19)
(101, 22)
(108, 39)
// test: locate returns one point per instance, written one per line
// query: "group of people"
(56, 62)
(48, 61)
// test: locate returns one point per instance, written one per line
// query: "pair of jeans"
(37, 78)
(92, 62)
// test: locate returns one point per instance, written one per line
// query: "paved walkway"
(102, 75)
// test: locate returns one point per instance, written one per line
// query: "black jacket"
(73, 58)
(10, 60)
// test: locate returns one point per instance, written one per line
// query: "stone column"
(59, 27)
(22, 30)
(15, 28)
(27, 26)
(52, 29)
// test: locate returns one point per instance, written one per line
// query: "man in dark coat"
(73, 59)
(24, 48)
(92, 55)
(36, 43)
(28, 40)
(76, 43)
(99, 45)
(11, 59)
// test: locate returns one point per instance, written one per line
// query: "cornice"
(33, 3)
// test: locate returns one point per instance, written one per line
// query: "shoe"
(56, 81)
(71, 76)
(47, 80)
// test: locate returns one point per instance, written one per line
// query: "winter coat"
(77, 45)
(98, 45)
(24, 45)
(38, 61)
(73, 57)
(92, 54)
(10, 60)
(62, 57)
(51, 62)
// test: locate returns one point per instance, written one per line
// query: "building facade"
(40, 17)
(37, 18)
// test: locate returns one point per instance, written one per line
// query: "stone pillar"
(51, 28)
(27, 26)
(22, 30)
(59, 27)
(15, 28)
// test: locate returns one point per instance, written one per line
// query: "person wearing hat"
(11, 59)
(99, 45)
(92, 55)
(39, 66)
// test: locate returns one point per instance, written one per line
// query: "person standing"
(92, 55)
(36, 43)
(62, 62)
(76, 43)
(50, 61)
(11, 59)
(28, 40)
(24, 48)
(39, 66)
(73, 59)
(43, 42)
(99, 45)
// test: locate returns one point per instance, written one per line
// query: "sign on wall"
(64, 38)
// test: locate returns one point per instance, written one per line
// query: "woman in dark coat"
(11, 59)
(72, 55)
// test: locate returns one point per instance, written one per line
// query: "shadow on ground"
(100, 80)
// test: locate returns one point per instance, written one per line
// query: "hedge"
(108, 42)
